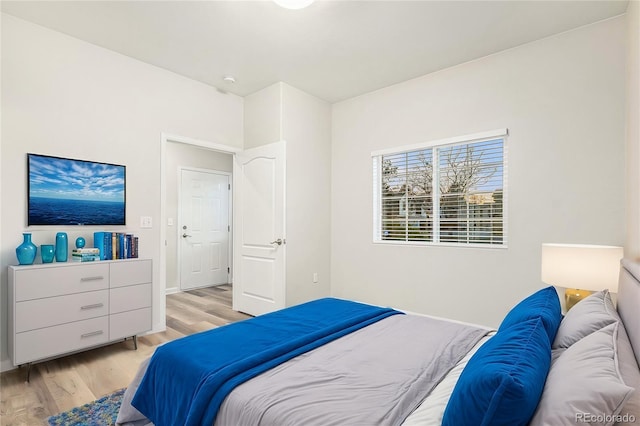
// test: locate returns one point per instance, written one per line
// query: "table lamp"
(581, 269)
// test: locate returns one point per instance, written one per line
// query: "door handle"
(278, 242)
(185, 235)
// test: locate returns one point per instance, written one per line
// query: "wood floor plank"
(227, 316)
(202, 303)
(24, 403)
(67, 388)
(104, 371)
(156, 339)
(63, 383)
(181, 313)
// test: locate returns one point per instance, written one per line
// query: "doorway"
(204, 228)
(172, 152)
(182, 153)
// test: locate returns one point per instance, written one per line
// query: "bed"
(337, 362)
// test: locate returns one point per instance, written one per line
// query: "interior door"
(259, 231)
(204, 229)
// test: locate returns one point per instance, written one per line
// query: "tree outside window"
(442, 194)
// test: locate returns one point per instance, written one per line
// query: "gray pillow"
(588, 315)
(584, 384)
(630, 373)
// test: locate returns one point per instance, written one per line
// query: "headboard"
(629, 302)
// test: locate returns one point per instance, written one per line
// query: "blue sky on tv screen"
(68, 179)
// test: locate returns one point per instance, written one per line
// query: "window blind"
(453, 193)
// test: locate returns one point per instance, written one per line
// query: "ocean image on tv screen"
(74, 192)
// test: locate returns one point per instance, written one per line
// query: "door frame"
(160, 322)
(230, 212)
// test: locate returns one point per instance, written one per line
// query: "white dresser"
(58, 308)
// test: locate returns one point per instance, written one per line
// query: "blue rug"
(101, 412)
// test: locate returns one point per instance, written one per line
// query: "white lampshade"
(584, 267)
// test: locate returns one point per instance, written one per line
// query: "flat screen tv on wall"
(64, 191)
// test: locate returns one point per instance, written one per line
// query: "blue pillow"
(503, 381)
(544, 304)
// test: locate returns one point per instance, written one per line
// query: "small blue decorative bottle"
(26, 252)
(61, 247)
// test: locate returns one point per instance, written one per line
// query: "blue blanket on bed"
(188, 379)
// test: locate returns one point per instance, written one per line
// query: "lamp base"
(574, 295)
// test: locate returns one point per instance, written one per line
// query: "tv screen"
(63, 191)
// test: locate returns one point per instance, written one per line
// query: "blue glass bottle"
(26, 252)
(61, 247)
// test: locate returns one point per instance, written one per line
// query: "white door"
(259, 232)
(204, 229)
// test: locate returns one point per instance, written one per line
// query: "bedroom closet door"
(259, 232)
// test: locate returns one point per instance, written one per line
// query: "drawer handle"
(94, 306)
(93, 333)
(96, 278)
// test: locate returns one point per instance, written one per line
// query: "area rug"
(103, 411)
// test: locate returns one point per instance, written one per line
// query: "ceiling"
(334, 49)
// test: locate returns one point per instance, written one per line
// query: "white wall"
(282, 112)
(65, 97)
(562, 99)
(632, 247)
(306, 126)
(263, 116)
(179, 155)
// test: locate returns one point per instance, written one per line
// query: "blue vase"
(47, 251)
(26, 252)
(61, 247)
(80, 242)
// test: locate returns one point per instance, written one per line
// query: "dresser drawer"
(48, 342)
(130, 272)
(58, 308)
(38, 283)
(39, 313)
(130, 323)
(129, 298)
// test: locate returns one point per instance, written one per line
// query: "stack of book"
(88, 254)
(115, 245)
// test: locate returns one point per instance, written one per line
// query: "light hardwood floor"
(61, 384)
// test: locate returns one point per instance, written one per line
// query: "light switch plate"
(146, 222)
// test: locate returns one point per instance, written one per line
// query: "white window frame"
(440, 143)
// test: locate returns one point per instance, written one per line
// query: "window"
(448, 192)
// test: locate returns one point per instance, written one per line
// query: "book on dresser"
(59, 308)
(79, 257)
(85, 254)
(116, 245)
